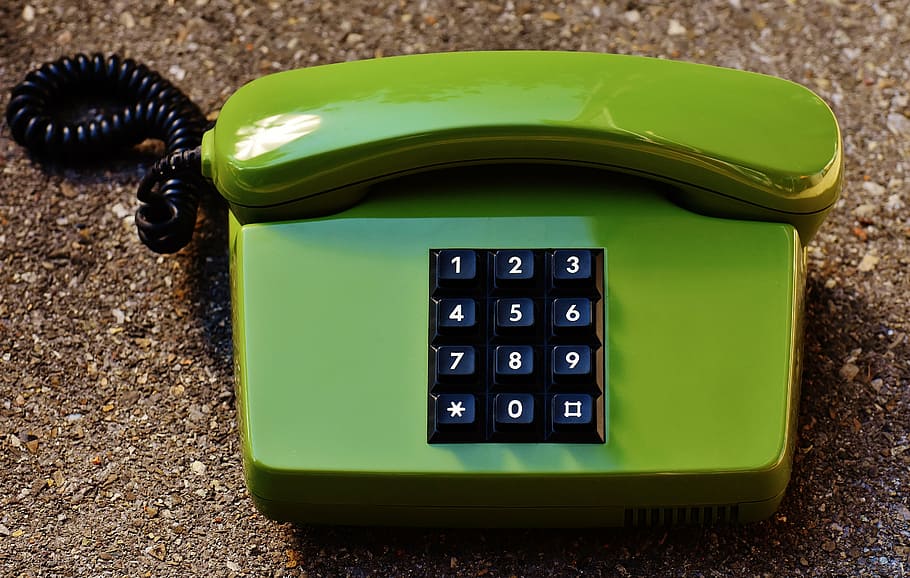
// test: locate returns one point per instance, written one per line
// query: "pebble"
(632, 16)
(849, 371)
(675, 28)
(868, 263)
(198, 468)
(28, 13)
(898, 124)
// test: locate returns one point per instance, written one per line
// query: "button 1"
(455, 314)
(514, 361)
(513, 266)
(456, 266)
(513, 410)
(454, 362)
(573, 412)
(571, 314)
(572, 267)
(571, 363)
(514, 314)
(455, 411)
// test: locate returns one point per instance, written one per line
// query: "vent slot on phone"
(677, 516)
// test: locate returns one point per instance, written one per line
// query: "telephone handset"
(520, 288)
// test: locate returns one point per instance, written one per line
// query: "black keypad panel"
(516, 346)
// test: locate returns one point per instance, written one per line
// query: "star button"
(455, 409)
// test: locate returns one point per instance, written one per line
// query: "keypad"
(516, 343)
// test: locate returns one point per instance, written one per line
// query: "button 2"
(513, 266)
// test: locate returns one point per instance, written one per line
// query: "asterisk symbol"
(455, 409)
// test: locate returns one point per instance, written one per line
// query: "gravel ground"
(118, 440)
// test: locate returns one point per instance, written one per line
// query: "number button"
(572, 267)
(514, 361)
(456, 267)
(456, 314)
(571, 315)
(513, 409)
(514, 314)
(513, 266)
(455, 411)
(454, 362)
(571, 363)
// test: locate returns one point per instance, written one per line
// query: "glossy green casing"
(342, 178)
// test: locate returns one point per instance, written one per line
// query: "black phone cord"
(78, 108)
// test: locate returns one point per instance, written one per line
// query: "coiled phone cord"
(81, 107)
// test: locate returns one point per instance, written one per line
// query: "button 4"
(456, 314)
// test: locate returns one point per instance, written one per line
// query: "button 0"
(572, 267)
(513, 266)
(513, 409)
(456, 266)
(571, 314)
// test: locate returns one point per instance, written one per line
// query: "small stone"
(127, 20)
(904, 512)
(105, 556)
(873, 188)
(632, 16)
(849, 371)
(4, 531)
(121, 211)
(675, 28)
(32, 446)
(894, 203)
(864, 211)
(157, 550)
(829, 546)
(28, 13)
(353, 38)
(551, 16)
(197, 467)
(151, 511)
(232, 566)
(868, 263)
(898, 124)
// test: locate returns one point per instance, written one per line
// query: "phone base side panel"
(701, 359)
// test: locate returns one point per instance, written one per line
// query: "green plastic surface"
(307, 142)
(330, 326)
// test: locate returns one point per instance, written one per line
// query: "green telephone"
(520, 288)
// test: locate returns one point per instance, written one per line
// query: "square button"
(514, 361)
(572, 314)
(456, 314)
(513, 266)
(455, 411)
(571, 363)
(513, 410)
(456, 266)
(514, 314)
(455, 362)
(572, 412)
(572, 267)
